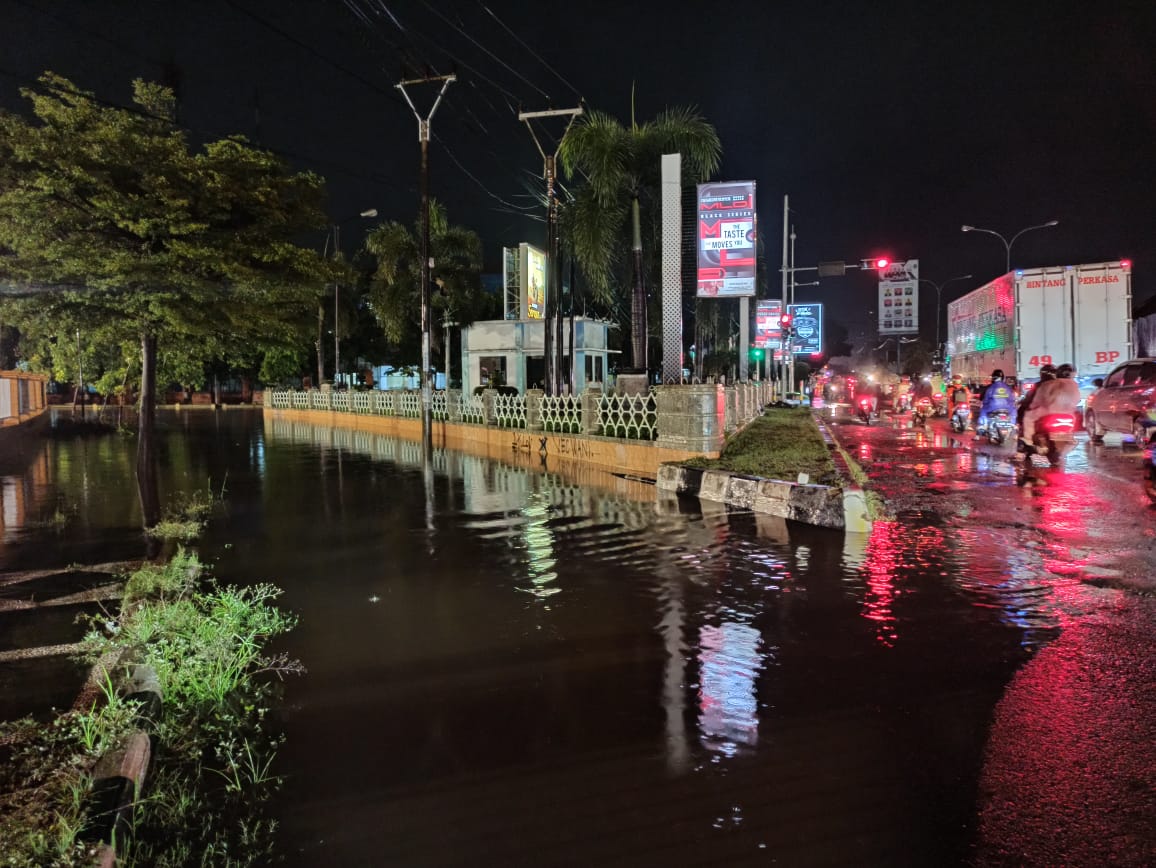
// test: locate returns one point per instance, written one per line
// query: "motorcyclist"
(1059, 395)
(1047, 372)
(903, 394)
(957, 394)
(997, 396)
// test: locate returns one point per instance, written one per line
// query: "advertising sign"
(534, 269)
(807, 324)
(768, 332)
(899, 298)
(726, 239)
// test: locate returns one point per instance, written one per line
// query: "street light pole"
(369, 212)
(1008, 244)
(938, 299)
(423, 126)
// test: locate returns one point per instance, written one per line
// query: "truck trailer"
(1079, 314)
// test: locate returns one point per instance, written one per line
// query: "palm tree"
(621, 170)
(395, 286)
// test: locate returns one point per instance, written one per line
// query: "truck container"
(1079, 314)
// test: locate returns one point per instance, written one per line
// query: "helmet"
(1065, 371)
(957, 378)
(1048, 372)
(996, 375)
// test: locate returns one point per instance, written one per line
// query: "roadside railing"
(694, 416)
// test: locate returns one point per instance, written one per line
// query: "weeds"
(185, 518)
(213, 763)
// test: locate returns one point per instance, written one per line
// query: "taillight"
(1059, 422)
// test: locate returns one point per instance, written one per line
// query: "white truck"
(1080, 314)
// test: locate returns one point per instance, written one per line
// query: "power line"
(483, 48)
(309, 48)
(531, 51)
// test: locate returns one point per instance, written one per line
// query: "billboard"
(726, 239)
(807, 324)
(534, 282)
(899, 298)
(768, 330)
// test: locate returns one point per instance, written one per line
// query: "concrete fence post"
(592, 409)
(730, 411)
(489, 414)
(534, 409)
(690, 417)
(454, 404)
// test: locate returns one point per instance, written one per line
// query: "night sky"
(890, 124)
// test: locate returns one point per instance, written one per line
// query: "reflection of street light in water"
(539, 539)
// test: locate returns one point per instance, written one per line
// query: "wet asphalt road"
(1069, 773)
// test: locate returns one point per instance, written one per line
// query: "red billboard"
(727, 236)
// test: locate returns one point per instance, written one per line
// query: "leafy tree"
(395, 287)
(144, 239)
(621, 170)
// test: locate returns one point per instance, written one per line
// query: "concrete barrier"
(820, 505)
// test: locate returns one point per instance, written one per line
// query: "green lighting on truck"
(989, 340)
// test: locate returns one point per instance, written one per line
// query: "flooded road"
(509, 667)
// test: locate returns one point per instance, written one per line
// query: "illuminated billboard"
(533, 282)
(726, 239)
(807, 325)
(768, 328)
(899, 298)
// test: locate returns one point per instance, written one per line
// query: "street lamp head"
(966, 228)
(1052, 223)
(369, 212)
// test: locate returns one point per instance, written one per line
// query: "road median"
(781, 464)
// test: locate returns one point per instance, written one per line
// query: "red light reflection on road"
(882, 563)
(864, 451)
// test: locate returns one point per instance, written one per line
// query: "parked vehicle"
(1150, 466)
(1080, 314)
(1124, 403)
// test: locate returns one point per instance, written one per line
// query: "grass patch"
(185, 518)
(211, 769)
(780, 444)
(876, 508)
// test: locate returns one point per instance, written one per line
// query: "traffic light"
(882, 263)
(756, 353)
(785, 322)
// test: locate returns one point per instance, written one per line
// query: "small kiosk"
(511, 351)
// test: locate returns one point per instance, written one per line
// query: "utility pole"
(553, 355)
(423, 124)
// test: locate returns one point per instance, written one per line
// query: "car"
(1127, 398)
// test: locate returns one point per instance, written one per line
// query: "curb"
(819, 505)
(119, 774)
(855, 506)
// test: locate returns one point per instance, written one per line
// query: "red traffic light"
(882, 263)
(785, 320)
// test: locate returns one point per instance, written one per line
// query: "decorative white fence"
(687, 413)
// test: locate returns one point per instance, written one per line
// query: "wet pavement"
(518, 665)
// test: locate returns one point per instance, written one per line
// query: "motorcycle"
(999, 425)
(864, 410)
(922, 411)
(960, 418)
(1150, 462)
(1054, 437)
(939, 404)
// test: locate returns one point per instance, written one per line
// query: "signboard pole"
(672, 268)
(744, 338)
(783, 367)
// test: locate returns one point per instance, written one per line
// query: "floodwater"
(516, 666)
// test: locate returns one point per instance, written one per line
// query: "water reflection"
(729, 663)
(572, 667)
